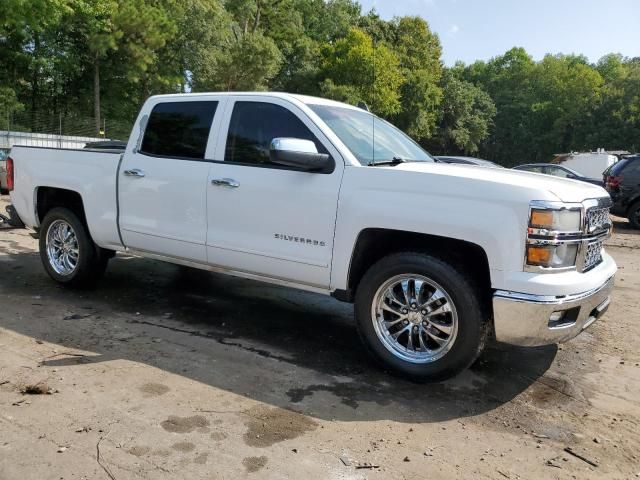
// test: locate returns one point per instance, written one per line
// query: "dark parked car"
(467, 161)
(4, 153)
(622, 181)
(558, 171)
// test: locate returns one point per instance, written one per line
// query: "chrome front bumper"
(528, 320)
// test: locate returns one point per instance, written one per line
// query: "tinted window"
(558, 172)
(633, 168)
(617, 167)
(532, 168)
(253, 126)
(179, 129)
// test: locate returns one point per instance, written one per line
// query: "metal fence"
(57, 131)
(10, 138)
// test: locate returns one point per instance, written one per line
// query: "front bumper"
(528, 320)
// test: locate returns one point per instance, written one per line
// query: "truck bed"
(91, 173)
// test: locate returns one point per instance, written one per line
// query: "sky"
(472, 30)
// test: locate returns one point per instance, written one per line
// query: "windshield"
(369, 138)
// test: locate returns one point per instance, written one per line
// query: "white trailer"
(589, 164)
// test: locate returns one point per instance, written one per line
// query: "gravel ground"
(164, 372)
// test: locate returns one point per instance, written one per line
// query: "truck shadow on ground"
(290, 349)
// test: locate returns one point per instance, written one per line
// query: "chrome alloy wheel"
(62, 247)
(414, 318)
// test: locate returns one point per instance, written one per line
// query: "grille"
(597, 219)
(593, 255)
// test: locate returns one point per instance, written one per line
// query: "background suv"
(622, 181)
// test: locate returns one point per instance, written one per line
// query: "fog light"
(564, 318)
(556, 316)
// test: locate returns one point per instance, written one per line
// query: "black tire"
(473, 320)
(92, 260)
(634, 215)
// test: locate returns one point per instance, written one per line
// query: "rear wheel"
(634, 215)
(420, 317)
(67, 251)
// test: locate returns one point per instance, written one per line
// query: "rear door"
(163, 181)
(267, 219)
(630, 184)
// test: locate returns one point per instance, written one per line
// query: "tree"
(509, 81)
(467, 115)
(247, 63)
(419, 52)
(616, 119)
(566, 90)
(355, 71)
(246, 59)
(8, 105)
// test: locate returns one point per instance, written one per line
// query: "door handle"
(134, 172)
(225, 182)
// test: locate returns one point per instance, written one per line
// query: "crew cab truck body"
(323, 196)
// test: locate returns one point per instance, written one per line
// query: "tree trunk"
(96, 93)
(35, 88)
(256, 20)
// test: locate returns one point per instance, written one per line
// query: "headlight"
(553, 236)
(552, 256)
(555, 220)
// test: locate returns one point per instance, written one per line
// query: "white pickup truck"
(322, 196)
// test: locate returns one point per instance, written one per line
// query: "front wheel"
(67, 251)
(420, 317)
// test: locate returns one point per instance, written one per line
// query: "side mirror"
(299, 153)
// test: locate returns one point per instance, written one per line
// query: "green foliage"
(9, 104)
(247, 63)
(419, 51)
(356, 71)
(103, 58)
(467, 115)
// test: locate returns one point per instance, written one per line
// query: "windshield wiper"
(393, 161)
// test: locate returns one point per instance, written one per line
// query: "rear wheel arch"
(48, 198)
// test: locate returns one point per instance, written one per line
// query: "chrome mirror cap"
(293, 145)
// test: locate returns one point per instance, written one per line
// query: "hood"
(564, 189)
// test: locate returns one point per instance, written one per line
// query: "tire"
(464, 319)
(634, 215)
(85, 262)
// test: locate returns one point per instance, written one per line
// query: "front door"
(264, 218)
(163, 183)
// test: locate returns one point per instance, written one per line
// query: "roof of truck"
(310, 100)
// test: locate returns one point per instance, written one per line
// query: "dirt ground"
(164, 372)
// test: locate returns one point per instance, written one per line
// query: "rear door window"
(179, 129)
